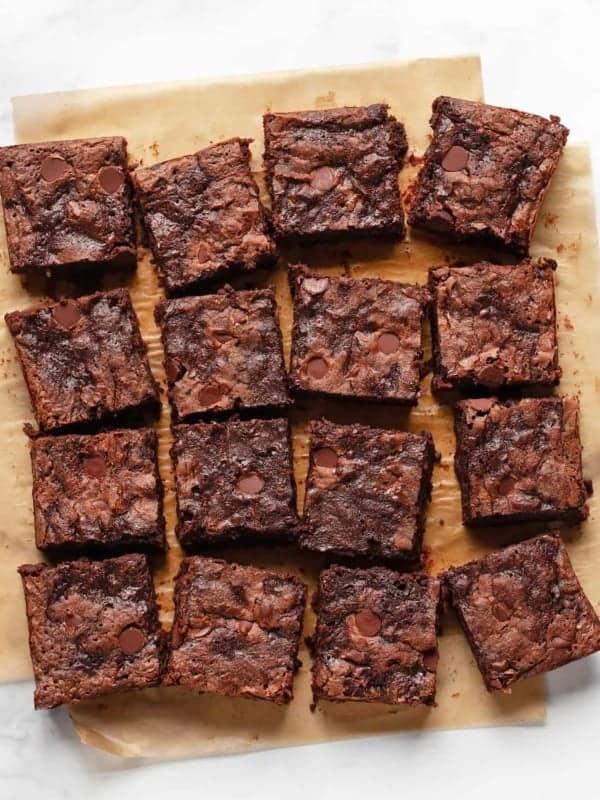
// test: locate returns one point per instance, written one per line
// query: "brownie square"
(234, 480)
(236, 630)
(494, 326)
(203, 215)
(523, 611)
(376, 636)
(223, 352)
(485, 173)
(335, 172)
(93, 628)
(97, 494)
(366, 491)
(83, 360)
(67, 204)
(357, 338)
(519, 460)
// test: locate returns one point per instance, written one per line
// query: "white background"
(539, 56)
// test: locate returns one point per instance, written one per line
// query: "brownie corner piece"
(523, 611)
(485, 173)
(68, 204)
(356, 337)
(335, 172)
(519, 460)
(203, 215)
(93, 628)
(376, 636)
(236, 630)
(223, 352)
(367, 491)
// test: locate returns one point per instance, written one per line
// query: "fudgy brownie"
(234, 479)
(236, 630)
(93, 628)
(366, 491)
(97, 493)
(203, 215)
(357, 337)
(485, 172)
(519, 460)
(83, 360)
(376, 636)
(67, 204)
(335, 172)
(523, 611)
(223, 352)
(494, 326)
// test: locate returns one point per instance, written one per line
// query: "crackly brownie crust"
(366, 491)
(203, 215)
(519, 460)
(494, 326)
(376, 636)
(335, 172)
(83, 360)
(523, 611)
(485, 172)
(98, 493)
(67, 204)
(236, 630)
(357, 337)
(223, 352)
(234, 479)
(93, 628)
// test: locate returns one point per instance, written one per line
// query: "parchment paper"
(163, 121)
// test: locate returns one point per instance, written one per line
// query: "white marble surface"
(541, 56)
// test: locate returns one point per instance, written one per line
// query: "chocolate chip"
(501, 613)
(131, 640)
(315, 285)
(367, 622)
(210, 395)
(251, 483)
(323, 179)
(202, 631)
(94, 466)
(506, 485)
(244, 626)
(317, 368)
(481, 404)
(66, 314)
(111, 179)
(54, 168)
(173, 370)
(388, 343)
(325, 457)
(455, 159)
(491, 376)
(430, 660)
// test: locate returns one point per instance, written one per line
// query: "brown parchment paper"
(167, 120)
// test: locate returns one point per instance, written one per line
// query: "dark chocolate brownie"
(83, 360)
(523, 611)
(366, 491)
(203, 215)
(494, 326)
(376, 636)
(223, 352)
(357, 338)
(486, 172)
(67, 204)
(97, 493)
(232, 480)
(93, 628)
(519, 460)
(236, 630)
(335, 172)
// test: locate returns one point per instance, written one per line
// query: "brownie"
(98, 493)
(366, 491)
(485, 173)
(203, 215)
(494, 326)
(519, 460)
(357, 337)
(335, 172)
(67, 204)
(234, 480)
(236, 630)
(83, 360)
(93, 628)
(376, 636)
(223, 352)
(523, 611)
